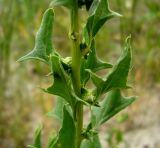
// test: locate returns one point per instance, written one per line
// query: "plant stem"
(76, 57)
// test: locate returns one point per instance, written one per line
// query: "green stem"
(76, 58)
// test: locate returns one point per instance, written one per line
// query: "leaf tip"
(116, 14)
(128, 39)
(49, 11)
(21, 59)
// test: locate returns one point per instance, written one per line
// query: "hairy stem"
(76, 57)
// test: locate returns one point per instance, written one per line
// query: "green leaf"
(37, 138)
(67, 134)
(66, 3)
(58, 109)
(92, 63)
(111, 105)
(117, 78)
(52, 140)
(98, 82)
(100, 13)
(43, 41)
(62, 85)
(93, 142)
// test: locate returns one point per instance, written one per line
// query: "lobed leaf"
(92, 63)
(99, 14)
(117, 78)
(43, 41)
(62, 82)
(111, 105)
(67, 134)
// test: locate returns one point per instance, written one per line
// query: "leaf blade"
(66, 137)
(110, 106)
(43, 41)
(117, 78)
(99, 14)
(92, 63)
(62, 82)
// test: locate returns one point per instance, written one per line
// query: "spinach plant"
(71, 74)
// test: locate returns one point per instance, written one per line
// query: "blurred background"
(23, 105)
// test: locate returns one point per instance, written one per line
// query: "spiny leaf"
(62, 82)
(117, 78)
(111, 105)
(67, 134)
(62, 85)
(92, 63)
(43, 41)
(37, 138)
(66, 3)
(99, 14)
(93, 142)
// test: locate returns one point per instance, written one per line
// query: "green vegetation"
(71, 74)
(23, 105)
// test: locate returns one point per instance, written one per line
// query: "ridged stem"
(76, 58)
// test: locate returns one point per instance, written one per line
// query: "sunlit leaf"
(62, 85)
(117, 78)
(111, 105)
(92, 63)
(67, 134)
(99, 14)
(43, 41)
